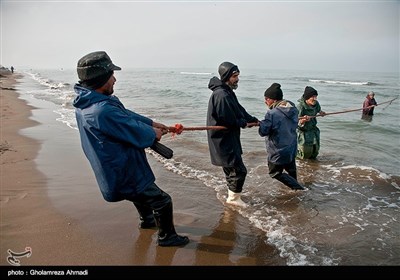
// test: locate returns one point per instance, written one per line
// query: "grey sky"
(309, 35)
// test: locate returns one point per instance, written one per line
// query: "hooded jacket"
(113, 139)
(279, 128)
(224, 110)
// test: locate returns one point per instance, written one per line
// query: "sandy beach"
(64, 221)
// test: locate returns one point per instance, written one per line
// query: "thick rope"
(178, 128)
(211, 127)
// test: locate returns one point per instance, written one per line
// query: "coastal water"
(350, 213)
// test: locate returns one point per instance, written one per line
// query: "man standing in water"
(113, 139)
(279, 129)
(369, 106)
(224, 145)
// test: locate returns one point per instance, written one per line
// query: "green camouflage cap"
(95, 64)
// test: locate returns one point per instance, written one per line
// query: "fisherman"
(308, 134)
(369, 106)
(113, 139)
(279, 130)
(225, 147)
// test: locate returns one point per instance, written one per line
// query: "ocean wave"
(271, 220)
(47, 82)
(195, 73)
(343, 82)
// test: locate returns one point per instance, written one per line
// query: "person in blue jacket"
(114, 139)
(279, 129)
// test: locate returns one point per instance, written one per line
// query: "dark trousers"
(235, 176)
(275, 169)
(153, 199)
(155, 205)
(290, 179)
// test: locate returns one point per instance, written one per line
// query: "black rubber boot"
(147, 220)
(167, 235)
(289, 181)
(149, 224)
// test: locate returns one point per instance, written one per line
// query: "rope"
(178, 128)
(211, 127)
(347, 111)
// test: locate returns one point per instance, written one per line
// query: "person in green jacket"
(308, 134)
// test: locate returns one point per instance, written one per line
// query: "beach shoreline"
(63, 219)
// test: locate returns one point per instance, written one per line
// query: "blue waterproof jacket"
(279, 127)
(113, 139)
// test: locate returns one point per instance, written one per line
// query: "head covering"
(95, 68)
(309, 92)
(226, 70)
(274, 92)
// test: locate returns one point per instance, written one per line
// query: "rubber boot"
(167, 235)
(145, 223)
(147, 220)
(234, 199)
(289, 181)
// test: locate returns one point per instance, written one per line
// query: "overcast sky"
(294, 35)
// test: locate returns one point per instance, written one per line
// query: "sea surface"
(350, 213)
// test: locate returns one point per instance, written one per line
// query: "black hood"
(216, 83)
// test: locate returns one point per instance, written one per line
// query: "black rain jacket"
(224, 110)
